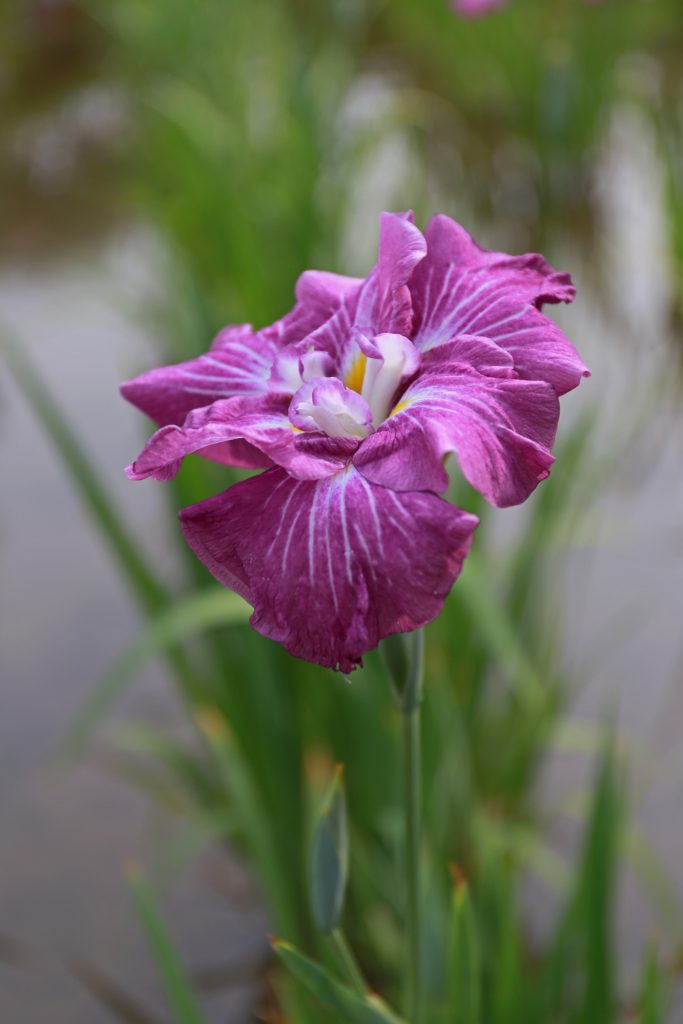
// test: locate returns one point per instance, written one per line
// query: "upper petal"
(460, 288)
(401, 247)
(500, 428)
(331, 567)
(262, 422)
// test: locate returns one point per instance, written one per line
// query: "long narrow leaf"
(174, 978)
(345, 1004)
(191, 616)
(148, 589)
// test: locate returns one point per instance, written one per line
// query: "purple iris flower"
(351, 403)
(475, 8)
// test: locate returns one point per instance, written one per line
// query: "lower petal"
(332, 566)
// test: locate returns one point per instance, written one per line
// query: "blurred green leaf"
(464, 960)
(174, 978)
(209, 609)
(99, 503)
(329, 858)
(348, 1007)
(652, 995)
(497, 631)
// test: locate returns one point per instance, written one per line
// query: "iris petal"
(331, 567)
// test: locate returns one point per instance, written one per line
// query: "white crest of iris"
(379, 367)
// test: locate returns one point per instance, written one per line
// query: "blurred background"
(166, 168)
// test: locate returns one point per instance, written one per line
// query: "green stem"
(348, 962)
(411, 806)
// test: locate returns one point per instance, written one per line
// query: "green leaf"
(345, 1004)
(149, 591)
(596, 893)
(329, 859)
(177, 987)
(99, 503)
(464, 959)
(498, 632)
(652, 995)
(197, 613)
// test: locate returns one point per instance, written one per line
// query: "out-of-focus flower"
(352, 401)
(475, 8)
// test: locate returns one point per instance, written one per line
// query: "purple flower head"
(475, 8)
(351, 403)
(478, 8)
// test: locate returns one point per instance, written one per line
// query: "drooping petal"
(460, 288)
(211, 431)
(334, 566)
(500, 428)
(401, 247)
(239, 363)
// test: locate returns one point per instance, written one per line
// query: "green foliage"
(177, 985)
(329, 859)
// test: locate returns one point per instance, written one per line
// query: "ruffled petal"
(382, 302)
(239, 363)
(212, 431)
(240, 360)
(500, 428)
(334, 566)
(460, 288)
(321, 291)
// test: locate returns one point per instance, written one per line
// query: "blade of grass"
(109, 994)
(149, 591)
(174, 978)
(345, 1004)
(195, 614)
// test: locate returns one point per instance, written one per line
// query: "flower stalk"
(404, 658)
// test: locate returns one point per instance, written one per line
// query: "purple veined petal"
(262, 422)
(460, 288)
(359, 311)
(331, 567)
(239, 363)
(381, 303)
(240, 360)
(448, 242)
(319, 295)
(401, 247)
(323, 291)
(501, 429)
(475, 8)
(325, 404)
